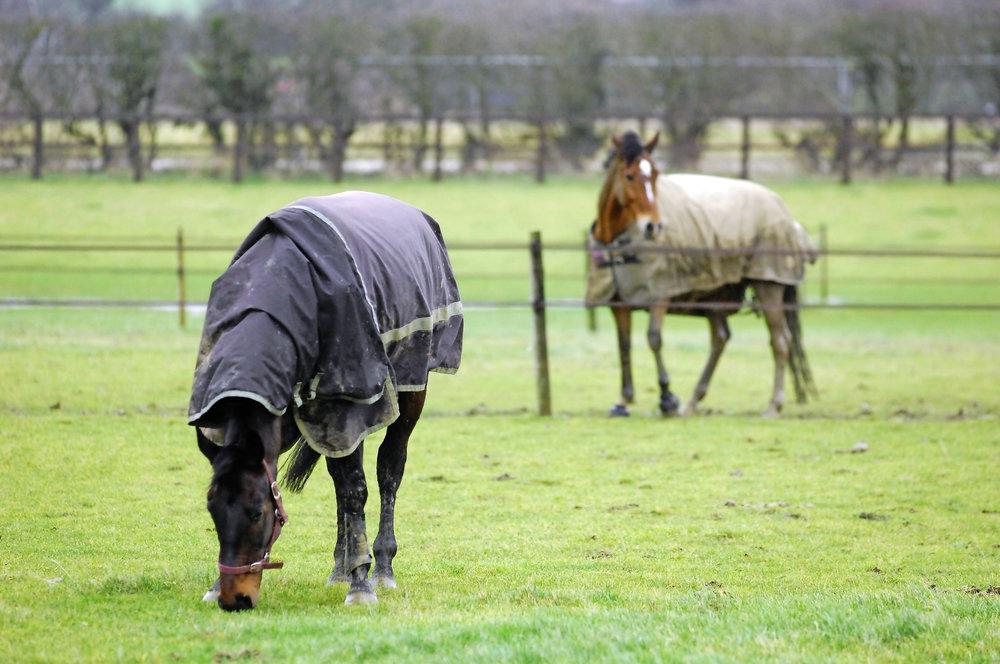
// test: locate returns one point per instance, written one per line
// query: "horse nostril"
(241, 603)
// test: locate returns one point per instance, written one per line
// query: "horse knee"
(655, 340)
(352, 495)
(779, 345)
(722, 335)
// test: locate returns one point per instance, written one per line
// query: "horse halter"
(280, 519)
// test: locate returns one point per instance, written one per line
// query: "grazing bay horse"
(322, 330)
(694, 244)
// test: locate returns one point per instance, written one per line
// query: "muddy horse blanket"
(331, 306)
(740, 223)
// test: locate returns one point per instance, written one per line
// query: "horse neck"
(611, 216)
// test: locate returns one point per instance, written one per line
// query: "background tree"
(578, 51)
(693, 90)
(421, 80)
(22, 37)
(136, 45)
(239, 75)
(327, 62)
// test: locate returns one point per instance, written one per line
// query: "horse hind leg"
(669, 403)
(348, 476)
(771, 298)
(391, 463)
(719, 332)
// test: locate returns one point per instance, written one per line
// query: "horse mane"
(631, 147)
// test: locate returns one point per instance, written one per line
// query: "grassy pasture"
(723, 537)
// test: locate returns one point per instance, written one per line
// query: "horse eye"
(629, 177)
(255, 516)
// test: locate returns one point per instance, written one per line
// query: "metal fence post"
(181, 303)
(824, 267)
(541, 341)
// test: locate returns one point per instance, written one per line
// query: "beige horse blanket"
(715, 231)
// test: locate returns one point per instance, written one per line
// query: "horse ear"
(254, 448)
(207, 447)
(652, 143)
(616, 140)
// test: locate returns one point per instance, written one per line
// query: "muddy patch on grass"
(236, 655)
(873, 516)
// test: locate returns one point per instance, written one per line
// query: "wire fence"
(534, 250)
(43, 245)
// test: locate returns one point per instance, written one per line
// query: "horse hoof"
(771, 413)
(384, 580)
(337, 578)
(360, 597)
(670, 405)
(618, 410)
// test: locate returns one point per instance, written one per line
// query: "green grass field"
(573, 538)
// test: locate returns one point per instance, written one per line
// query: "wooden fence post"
(541, 341)
(37, 146)
(181, 299)
(949, 151)
(745, 149)
(824, 267)
(239, 148)
(438, 149)
(591, 311)
(543, 152)
(848, 148)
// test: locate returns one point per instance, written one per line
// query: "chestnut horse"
(629, 201)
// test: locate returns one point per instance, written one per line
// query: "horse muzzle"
(239, 592)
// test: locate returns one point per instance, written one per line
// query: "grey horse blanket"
(331, 306)
(734, 219)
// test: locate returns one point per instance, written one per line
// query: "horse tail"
(299, 466)
(797, 360)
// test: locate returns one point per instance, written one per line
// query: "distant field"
(571, 538)
(897, 214)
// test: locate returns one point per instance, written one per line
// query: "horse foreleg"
(771, 300)
(339, 574)
(391, 463)
(719, 332)
(348, 475)
(623, 323)
(668, 401)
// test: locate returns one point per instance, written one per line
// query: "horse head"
(629, 193)
(244, 502)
